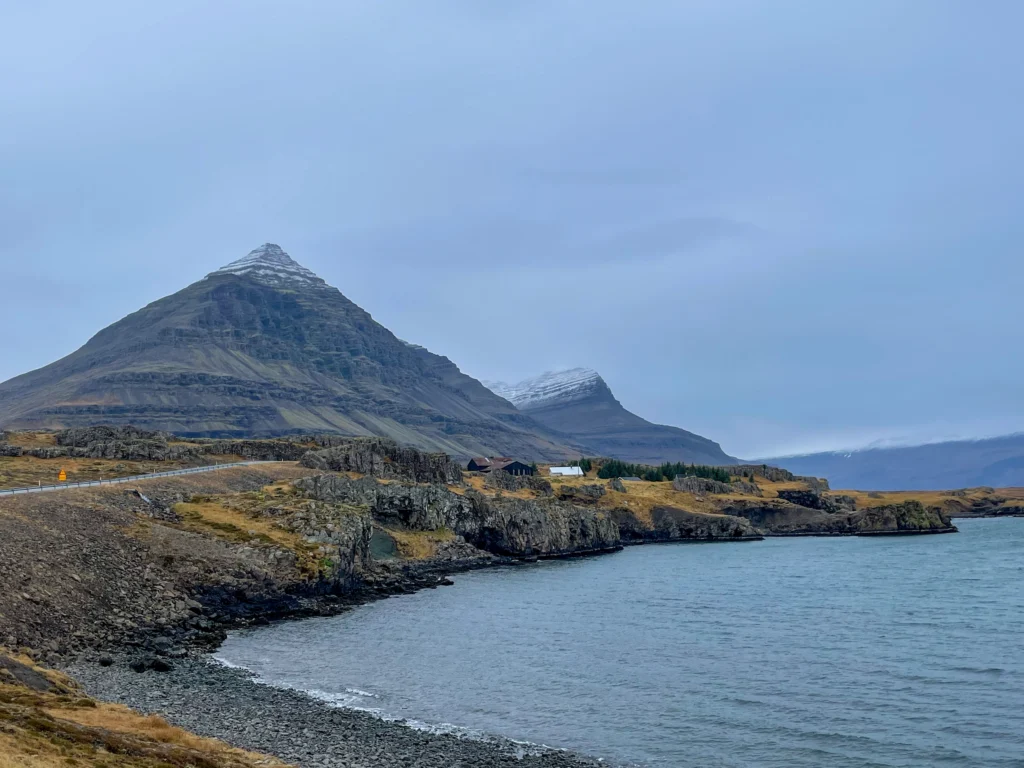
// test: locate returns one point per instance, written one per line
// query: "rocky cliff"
(579, 403)
(781, 517)
(379, 457)
(675, 524)
(500, 525)
(263, 347)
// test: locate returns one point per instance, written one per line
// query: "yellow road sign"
(63, 476)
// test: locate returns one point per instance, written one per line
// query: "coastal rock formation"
(809, 498)
(814, 499)
(779, 516)
(378, 457)
(504, 526)
(911, 516)
(672, 523)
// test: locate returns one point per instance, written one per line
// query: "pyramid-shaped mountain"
(264, 347)
(578, 403)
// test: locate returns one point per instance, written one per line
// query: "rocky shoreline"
(825, 534)
(128, 591)
(213, 700)
(181, 681)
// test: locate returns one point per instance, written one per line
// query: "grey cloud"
(781, 225)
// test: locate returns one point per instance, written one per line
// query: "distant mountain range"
(264, 347)
(996, 462)
(578, 403)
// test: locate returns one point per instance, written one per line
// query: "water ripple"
(791, 653)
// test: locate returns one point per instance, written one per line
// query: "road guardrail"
(129, 479)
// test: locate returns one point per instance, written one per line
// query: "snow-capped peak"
(271, 265)
(561, 386)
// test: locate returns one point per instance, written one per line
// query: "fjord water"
(851, 652)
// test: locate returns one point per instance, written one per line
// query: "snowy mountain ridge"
(549, 387)
(578, 403)
(269, 264)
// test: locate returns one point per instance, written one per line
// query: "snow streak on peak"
(553, 386)
(271, 265)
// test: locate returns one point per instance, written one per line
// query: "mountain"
(579, 403)
(996, 462)
(264, 347)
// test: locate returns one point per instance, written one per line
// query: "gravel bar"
(213, 700)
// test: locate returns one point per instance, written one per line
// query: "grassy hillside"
(46, 721)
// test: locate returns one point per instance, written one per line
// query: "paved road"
(131, 479)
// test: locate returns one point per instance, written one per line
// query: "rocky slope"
(264, 347)
(48, 721)
(579, 403)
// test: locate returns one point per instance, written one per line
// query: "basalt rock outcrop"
(779, 475)
(382, 458)
(126, 443)
(781, 517)
(503, 526)
(699, 485)
(84, 437)
(674, 524)
(813, 499)
(809, 499)
(581, 494)
(503, 481)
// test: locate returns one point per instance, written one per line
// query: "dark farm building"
(504, 463)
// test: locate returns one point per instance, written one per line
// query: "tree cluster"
(667, 471)
(583, 463)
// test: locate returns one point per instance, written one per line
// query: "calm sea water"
(788, 652)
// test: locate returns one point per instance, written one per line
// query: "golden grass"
(642, 497)
(419, 545)
(49, 731)
(63, 727)
(941, 499)
(32, 439)
(221, 520)
(478, 483)
(115, 717)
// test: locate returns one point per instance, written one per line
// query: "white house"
(566, 471)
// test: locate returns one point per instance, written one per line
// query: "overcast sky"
(784, 225)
